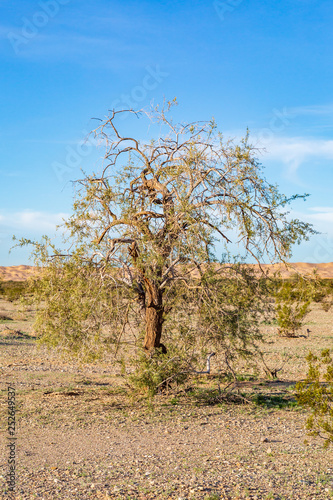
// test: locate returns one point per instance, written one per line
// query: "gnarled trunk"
(154, 318)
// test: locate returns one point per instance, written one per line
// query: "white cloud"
(93, 50)
(320, 246)
(322, 219)
(310, 110)
(300, 147)
(29, 220)
(290, 152)
(289, 149)
(293, 151)
(322, 209)
(323, 214)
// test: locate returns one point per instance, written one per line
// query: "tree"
(145, 228)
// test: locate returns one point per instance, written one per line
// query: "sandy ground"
(79, 437)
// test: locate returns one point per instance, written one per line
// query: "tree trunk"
(154, 319)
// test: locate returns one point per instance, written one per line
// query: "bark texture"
(154, 318)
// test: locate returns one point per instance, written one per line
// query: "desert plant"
(12, 290)
(160, 371)
(316, 393)
(293, 298)
(142, 266)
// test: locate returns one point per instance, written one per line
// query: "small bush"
(12, 290)
(316, 393)
(293, 300)
(159, 372)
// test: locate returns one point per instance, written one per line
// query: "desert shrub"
(323, 294)
(13, 290)
(316, 393)
(84, 314)
(159, 371)
(293, 300)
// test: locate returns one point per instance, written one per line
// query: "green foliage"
(213, 496)
(316, 393)
(323, 293)
(159, 372)
(291, 309)
(13, 290)
(232, 304)
(274, 401)
(77, 311)
(293, 298)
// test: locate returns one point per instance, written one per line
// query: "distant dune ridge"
(16, 273)
(324, 270)
(22, 273)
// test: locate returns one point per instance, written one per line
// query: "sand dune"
(16, 273)
(325, 270)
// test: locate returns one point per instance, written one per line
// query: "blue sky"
(263, 65)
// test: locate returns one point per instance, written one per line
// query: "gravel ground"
(79, 436)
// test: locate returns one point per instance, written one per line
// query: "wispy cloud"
(322, 209)
(8, 173)
(30, 221)
(293, 151)
(88, 52)
(322, 214)
(320, 246)
(320, 217)
(50, 44)
(315, 109)
(88, 39)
